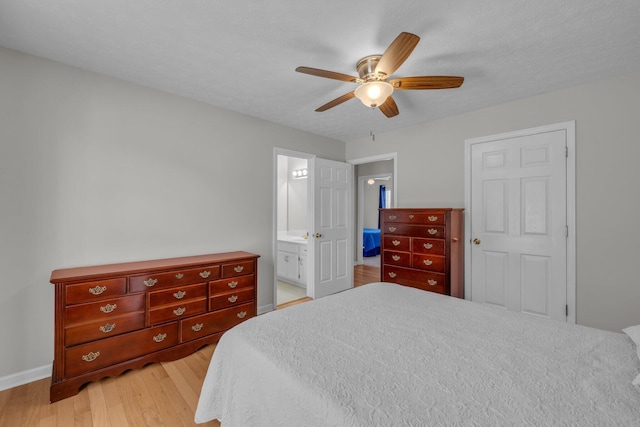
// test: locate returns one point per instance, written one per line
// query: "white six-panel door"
(330, 239)
(518, 227)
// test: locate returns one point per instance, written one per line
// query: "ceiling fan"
(374, 71)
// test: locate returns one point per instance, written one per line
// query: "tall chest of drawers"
(116, 317)
(423, 248)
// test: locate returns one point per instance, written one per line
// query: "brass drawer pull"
(233, 284)
(108, 327)
(150, 282)
(197, 327)
(392, 274)
(179, 276)
(91, 356)
(428, 246)
(432, 282)
(179, 311)
(108, 308)
(392, 229)
(238, 268)
(179, 294)
(392, 217)
(97, 290)
(427, 262)
(396, 257)
(204, 274)
(159, 337)
(396, 242)
(242, 314)
(233, 298)
(411, 216)
(432, 231)
(432, 218)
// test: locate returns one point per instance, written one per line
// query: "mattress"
(389, 355)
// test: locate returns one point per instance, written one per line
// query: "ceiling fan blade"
(327, 74)
(397, 52)
(389, 108)
(427, 82)
(339, 100)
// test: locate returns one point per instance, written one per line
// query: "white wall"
(94, 170)
(431, 173)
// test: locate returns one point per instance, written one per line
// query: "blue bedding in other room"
(370, 241)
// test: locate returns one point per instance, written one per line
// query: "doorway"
(373, 177)
(520, 198)
(313, 226)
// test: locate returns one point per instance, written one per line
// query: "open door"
(330, 246)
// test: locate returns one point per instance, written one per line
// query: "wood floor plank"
(99, 412)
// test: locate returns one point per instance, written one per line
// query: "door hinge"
(566, 227)
(566, 310)
(566, 152)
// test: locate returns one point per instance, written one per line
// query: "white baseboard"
(265, 308)
(20, 378)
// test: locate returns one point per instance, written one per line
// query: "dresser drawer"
(428, 246)
(176, 311)
(91, 356)
(145, 282)
(433, 231)
(435, 263)
(397, 243)
(91, 312)
(429, 281)
(435, 218)
(230, 299)
(90, 291)
(397, 258)
(230, 284)
(221, 320)
(103, 329)
(176, 295)
(237, 269)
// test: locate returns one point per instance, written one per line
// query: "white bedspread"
(389, 355)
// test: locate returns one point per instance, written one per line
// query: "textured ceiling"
(241, 55)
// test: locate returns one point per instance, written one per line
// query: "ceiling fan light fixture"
(374, 93)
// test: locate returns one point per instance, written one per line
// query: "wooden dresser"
(423, 248)
(115, 317)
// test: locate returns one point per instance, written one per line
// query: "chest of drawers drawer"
(429, 262)
(237, 269)
(216, 321)
(98, 354)
(396, 258)
(151, 281)
(397, 243)
(229, 299)
(177, 295)
(428, 281)
(106, 309)
(433, 231)
(428, 246)
(100, 289)
(167, 313)
(230, 284)
(102, 329)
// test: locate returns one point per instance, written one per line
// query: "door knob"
(318, 235)
(476, 241)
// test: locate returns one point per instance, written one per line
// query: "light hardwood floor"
(160, 394)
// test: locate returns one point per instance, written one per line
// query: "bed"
(370, 242)
(389, 355)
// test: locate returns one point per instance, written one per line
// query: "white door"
(518, 226)
(330, 265)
